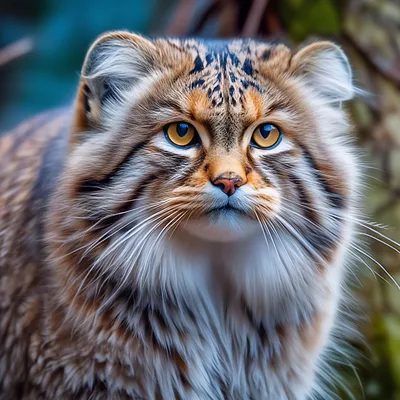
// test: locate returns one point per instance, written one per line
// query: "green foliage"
(304, 18)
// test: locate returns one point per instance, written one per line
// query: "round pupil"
(182, 129)
(265, 130)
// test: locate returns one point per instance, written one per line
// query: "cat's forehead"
(225, 83)
(226, 69)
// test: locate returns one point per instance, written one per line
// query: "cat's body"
(118, 281)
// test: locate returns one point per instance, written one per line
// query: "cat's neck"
(274, 284)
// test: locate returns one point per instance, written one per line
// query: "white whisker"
(377, 263)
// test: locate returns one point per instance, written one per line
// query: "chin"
(222, 226)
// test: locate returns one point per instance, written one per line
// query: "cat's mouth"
(227, 209)
(222, 224)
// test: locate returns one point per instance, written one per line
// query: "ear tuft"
(325, 68)
(115, 62)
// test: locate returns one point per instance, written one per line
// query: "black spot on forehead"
(216, 89)
(209, 58)
(231, 95)
(225, 69)
(197, 83)
(248, 67)
(219, 50)
(198, 65)
(223, 59)
(234, 58)
(266, 55)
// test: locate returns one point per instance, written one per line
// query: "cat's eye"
(181, 134)
(266, 136)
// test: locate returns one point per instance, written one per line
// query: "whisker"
(117, 227)
(365, 224)
(380, 240)
(306, 245)
(132, 261)
(132, 230)
(377, 263)
(165, 229)
(374, 273)
(135, 229)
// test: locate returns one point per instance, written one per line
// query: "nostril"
(221, 186)
(230, 192)
(228, 182)
(228, 186)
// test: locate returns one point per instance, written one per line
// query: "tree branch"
(254, 18)
(15, 50)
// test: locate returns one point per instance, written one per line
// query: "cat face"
(215, 139)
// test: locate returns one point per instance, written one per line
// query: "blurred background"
(43, 43)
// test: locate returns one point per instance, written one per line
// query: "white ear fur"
(118, 54)
(114, 63)
(325, 68)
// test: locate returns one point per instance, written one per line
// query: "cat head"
(212, 138)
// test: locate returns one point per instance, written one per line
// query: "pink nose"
(228, 182)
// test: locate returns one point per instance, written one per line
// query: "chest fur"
(235, 360)
(207, 338)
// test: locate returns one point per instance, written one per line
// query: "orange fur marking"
(253, 105)
(199, 105)
(226, 163)
(80, 123)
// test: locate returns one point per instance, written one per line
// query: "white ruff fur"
(276, 279)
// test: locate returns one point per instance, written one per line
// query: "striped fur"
(122, 274)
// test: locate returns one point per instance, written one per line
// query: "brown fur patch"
(199, 106)
(221, 164)
(252, 106)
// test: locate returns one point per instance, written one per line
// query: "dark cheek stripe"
(128, 203)
(140, 188)
(162, 166)
(321, 241)
(88, 186)
(304, 199)
(265, 163)
(114, 215)
(319, 238)
(163, 170)
(336, 199)
(166, 160)
(190, 170)
(314, 233)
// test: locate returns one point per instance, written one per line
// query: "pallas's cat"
(182, 231)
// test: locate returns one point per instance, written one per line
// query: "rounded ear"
(115, 62)
(325, 68)
(118, 53)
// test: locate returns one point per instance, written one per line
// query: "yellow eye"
(181, 134)
(266, 136)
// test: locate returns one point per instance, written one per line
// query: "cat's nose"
(228, 182)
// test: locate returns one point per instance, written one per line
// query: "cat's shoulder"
(31, 158)
(30, 137)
